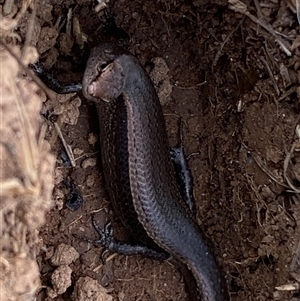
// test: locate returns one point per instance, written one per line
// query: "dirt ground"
(236, 87)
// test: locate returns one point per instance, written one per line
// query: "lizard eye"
(103, 66)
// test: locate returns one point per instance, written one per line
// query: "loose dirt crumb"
(89, 162)
(47, 39)
(64, 255)
(61, 280)
(160, 77)
(71, 111)
(87, 288)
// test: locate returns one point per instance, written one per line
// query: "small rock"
(161, 80)
(92, 139)
(89, 162)
(89, 289)
(47, 39)
(90, 180)
(61, 280)
(64, 255)
(77, 151)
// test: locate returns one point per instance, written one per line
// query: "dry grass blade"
(288, 287)
(285, 168)
(242, 8)
(219, 53)
(66, 145)
(259, 162)
(274, 82)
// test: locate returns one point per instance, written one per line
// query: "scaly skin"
(138, 168)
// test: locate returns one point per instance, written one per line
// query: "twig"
(194, 87)
(295, 258)
(86, 155)
(288, 287)
(97, 268)
(110, 257)
(224, 43)
(257, 6)
(242, 8)
(74, 221)
(266, 170)
(285, 167)
(66, 146)
(271, 75)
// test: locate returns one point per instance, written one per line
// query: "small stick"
(66, 146)
(224, 43)
(285, 167)
(271, 75)
(265, 169)
(241, 8)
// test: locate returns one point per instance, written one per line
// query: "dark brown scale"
(114, 155)
(138, 170)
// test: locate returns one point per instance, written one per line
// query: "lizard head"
(104, 76)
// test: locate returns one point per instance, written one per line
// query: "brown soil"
(236, 89)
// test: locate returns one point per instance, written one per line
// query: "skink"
(137, 167)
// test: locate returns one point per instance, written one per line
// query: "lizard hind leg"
(107, 240)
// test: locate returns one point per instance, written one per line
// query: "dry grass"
(25, 163)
